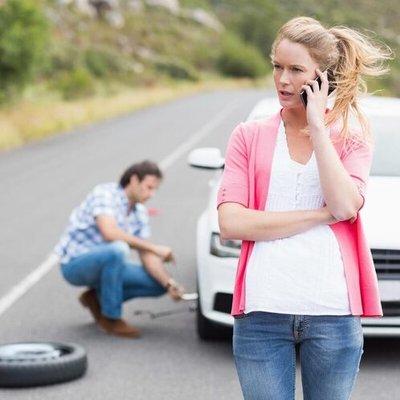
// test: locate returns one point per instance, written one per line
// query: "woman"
(292, 187)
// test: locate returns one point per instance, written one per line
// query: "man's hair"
(140, 169)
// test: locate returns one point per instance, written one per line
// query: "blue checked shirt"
(82, 233)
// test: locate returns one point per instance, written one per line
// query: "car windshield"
(386, 130)
(385, 127)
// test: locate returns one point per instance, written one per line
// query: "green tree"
(240, 59)
(258, 22)
(23, 39)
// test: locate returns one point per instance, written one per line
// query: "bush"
(23, 40)
(239, 59)
(97, 62)
(177, 69)
(63, 56)
(76, 84)
(258, 22)
(108, 62)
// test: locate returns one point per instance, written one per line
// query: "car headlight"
(224, 248)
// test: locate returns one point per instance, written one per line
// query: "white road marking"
(196, 137)
(52, 260)
(22, 287)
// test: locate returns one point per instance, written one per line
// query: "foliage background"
(48, 43)
(60, 68)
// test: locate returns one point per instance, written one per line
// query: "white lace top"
(302, 274)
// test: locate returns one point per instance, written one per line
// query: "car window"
(386, 131)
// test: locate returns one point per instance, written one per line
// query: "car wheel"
(209, 330)
(35, 364)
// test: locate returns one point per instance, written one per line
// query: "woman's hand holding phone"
(317, 98)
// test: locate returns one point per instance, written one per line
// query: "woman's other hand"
(328, 218)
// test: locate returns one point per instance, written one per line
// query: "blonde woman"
(292, 188)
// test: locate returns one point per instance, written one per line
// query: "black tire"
(36, 364)
(209, 330)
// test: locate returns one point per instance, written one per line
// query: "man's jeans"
(109, 270)
(330, 349)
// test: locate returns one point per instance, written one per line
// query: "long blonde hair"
(349, 56)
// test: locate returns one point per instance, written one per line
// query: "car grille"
(391, 308)
(387, 263)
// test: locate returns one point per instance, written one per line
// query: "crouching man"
(95, 249)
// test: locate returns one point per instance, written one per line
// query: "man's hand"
(174, 290)
(164, 252)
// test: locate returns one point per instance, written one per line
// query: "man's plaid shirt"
(82, 233)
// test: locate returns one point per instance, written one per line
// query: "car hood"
(380, 214)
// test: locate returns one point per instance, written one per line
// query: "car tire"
(36, 364)
(209, 330)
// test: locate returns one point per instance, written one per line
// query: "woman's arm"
(341, 193)
(238, 222)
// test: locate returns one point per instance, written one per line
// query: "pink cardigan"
(246, 179)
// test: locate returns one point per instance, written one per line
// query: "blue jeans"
(264, 347)
(108, 269)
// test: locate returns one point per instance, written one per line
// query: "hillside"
(81, 47)
(257, 21)
(68, 62)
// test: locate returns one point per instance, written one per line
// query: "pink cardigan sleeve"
(357, 161)
(235, 180)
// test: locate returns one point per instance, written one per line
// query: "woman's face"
(293, 66)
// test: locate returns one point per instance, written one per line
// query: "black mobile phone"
(303, 93)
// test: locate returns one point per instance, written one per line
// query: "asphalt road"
(41, 183)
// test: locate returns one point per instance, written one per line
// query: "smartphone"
(303, 93)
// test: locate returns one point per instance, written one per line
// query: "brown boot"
(117, 327)
(89, 300)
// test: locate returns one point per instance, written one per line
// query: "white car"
(217, 259)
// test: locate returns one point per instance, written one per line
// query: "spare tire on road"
(36, 364)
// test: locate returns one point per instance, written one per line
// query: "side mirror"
(206, 157)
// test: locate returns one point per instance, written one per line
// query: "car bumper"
(216, 280)
(379, 327)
